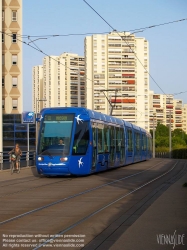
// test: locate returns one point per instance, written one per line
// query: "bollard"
(27, 158)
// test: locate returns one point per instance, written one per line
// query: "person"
(17, 152)
(61, 142)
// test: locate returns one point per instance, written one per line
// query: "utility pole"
(170, 128)
(153, 135)
(109, 101)
(37, 100)
(170, 133)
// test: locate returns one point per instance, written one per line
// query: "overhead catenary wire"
(99, 33)
(126, 43)
(39, 50)
(135, 30)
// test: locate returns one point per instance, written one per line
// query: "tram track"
(76, 195)
(87, 217)
(32, 188)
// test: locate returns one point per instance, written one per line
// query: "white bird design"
(41, 117)
(80, 162)
(79, 119)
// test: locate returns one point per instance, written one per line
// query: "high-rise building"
(184, 118)
(11, 56)
(11, 59)
(165, 110)
(37, 87)
(116, 68)
(63, 83)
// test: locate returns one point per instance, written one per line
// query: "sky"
(167, 43)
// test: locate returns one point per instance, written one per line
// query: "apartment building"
(165, 110)
(10, 59)
(11, 56)
(63, 83)
(184, 118)
(37, 93)
(116, 68)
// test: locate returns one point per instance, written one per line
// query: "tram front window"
(55, 128)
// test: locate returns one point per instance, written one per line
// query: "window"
(14, 38)
(14, 104)
(3, 59)
(14, 81)
(3, 81)
(3, 15)
(129, 140)
(14, 15)
(81, 139)
(3, 38)
(14, 59)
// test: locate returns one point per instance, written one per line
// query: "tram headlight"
(40, 158)
(64, 159)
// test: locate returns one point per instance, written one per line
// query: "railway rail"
(126, 186)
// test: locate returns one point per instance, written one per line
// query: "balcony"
(123, 100)
(178, 112)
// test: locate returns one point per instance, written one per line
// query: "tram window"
(137, 136)
(118, 139)
(94, 134)
(112, 137)
(144, 142)
(106, 138)
(130, 148)
(122, 137)
(100, 142)
(81, 139)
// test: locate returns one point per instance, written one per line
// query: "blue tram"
(92, 142)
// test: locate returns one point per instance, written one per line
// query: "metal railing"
(28, 158)
(162, 155)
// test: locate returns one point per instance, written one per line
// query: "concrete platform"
(162, 226)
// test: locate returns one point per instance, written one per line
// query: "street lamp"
(37, 100)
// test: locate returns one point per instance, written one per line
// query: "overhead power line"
(112, 27)
(78, 34)
(99, 33)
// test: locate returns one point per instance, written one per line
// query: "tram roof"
(94, 115)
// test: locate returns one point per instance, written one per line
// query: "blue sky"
(167, 44)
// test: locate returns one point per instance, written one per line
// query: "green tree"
(162, 130)
(179, 138)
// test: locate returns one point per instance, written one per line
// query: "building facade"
(11, 57)
(116, 68)
(63, 83)
(184, 118)
(166, 110)
(37, 88)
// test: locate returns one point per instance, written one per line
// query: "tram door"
(94, 154)
(112, 146)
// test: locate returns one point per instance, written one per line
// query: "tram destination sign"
(59, 117)
(28, 117)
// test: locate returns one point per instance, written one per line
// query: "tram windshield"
(55, 134)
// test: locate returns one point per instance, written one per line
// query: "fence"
(28, 158)
(162, 155)
(175, 154)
